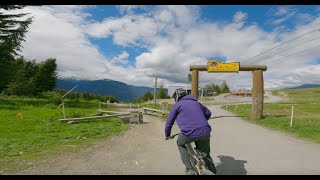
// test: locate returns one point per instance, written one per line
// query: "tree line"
(160, 94)
(87, 96)
(214, 90)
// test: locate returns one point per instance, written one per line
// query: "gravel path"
(238, 147)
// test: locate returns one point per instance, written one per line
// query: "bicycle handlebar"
(171, 137)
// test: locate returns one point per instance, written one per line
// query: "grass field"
(24, 142)
(306, 114)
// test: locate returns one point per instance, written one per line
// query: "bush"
(53, 96)
(76, 114)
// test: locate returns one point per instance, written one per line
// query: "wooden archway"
(257, 89)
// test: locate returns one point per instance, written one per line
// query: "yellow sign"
(217, 66)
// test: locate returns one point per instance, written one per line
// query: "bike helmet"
(179, 93)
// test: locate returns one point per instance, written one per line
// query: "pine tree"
(224, 87)
(46, 76)
(161, 94)
(12, 33)
(12, 30)
(22, 83)
(147, 96)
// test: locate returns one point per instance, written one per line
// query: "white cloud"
(304, 18)
(126, 30)
(128, 9)
(174, 37)
(239, 16)
(284, 18)
(121, 58)
(282, 14)
(279, 28)
(282, 10)
(54, 35)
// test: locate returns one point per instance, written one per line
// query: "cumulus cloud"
(173, 38)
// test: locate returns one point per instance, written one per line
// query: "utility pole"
(155, 93)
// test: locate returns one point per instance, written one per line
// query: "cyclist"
(192, 119)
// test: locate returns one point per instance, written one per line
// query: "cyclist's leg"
(181, 142)
(203, 144)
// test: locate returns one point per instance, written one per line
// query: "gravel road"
(238, 147)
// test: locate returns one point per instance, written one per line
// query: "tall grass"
(25, 141)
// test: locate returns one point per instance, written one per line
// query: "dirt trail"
(140, 150)
(238, 147)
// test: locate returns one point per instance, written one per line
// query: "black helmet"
(179, 93)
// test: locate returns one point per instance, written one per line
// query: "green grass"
(306, 121)
(39, 134)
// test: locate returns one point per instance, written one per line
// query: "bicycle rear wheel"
(206, 172)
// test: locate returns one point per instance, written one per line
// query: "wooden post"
(64, 115)
(257, 95)
(155, 93)
(291, 117)
(195, 83)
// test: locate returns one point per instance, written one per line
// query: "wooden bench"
(91, 117)
(154, 111)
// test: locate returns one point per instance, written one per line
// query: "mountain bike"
(197, 159)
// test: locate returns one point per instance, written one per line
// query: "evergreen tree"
(12, 30)
(161, 94)
(147, 96)
(46, 76)
(12, 33)
(22, 83)
(224, 87)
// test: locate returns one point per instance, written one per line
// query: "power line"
(293, 47)
(293, 54)
(310, 32)
(283, 44)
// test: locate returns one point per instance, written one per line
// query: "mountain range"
(122, 91)
(305, 86)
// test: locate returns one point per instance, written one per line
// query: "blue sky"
(133, 44)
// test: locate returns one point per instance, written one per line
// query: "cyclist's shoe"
(212, 169)
(190, 171)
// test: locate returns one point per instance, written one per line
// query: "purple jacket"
(192, 118)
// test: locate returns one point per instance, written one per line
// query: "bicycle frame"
(197, 159)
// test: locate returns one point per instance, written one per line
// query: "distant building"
(241, 93)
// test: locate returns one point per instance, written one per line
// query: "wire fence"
(293, 113)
